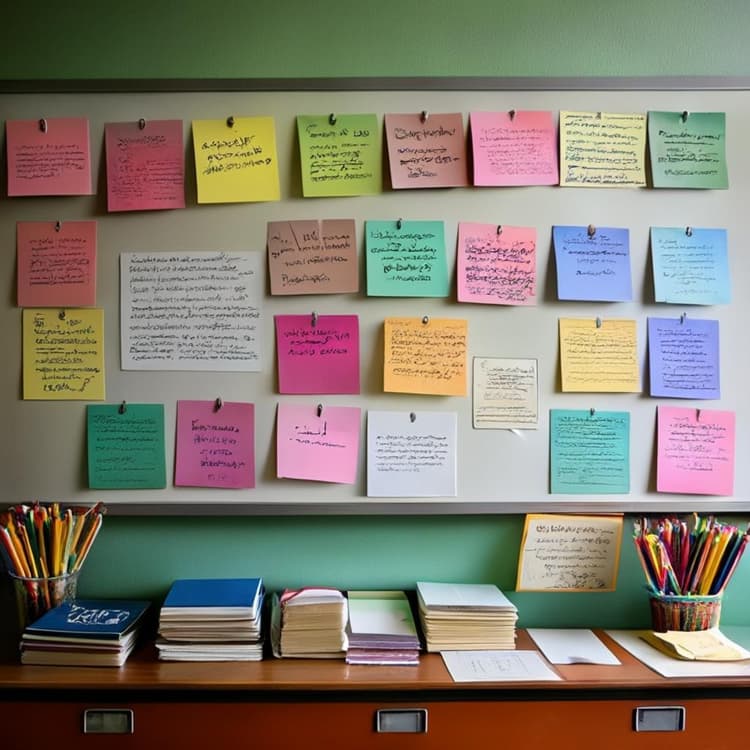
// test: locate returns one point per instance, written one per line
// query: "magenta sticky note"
(215, 445)
(49, 156)
(318, 353)
(317, 442)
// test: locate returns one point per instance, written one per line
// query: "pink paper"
(48, 156)
(496, 265)
(695, 451)
(215, 447)
(56, 263)
(145, 165)
(514, 148)
(318, 353)
(318, 442)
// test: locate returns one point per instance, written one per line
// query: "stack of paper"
(84, 632)
(381, 629)
(466, 616)
(311, 623)
(212, 619)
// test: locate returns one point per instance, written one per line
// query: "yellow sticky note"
(235, 160)
(599, 356)
(63, 354)
(425, 355)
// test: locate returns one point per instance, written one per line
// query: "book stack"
(381, 629)
(84, 632)
(212, 619)
(310, 623)
(466, 616)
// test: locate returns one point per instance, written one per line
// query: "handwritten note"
(126, 446)
(496, 264)
(506, 394)
(514, 148)
(602, 149)
(63, 354)
(684, 357)
(191, 311)
(340, 154)
(318, 353)
(426, 355)
(145, 165)
(599, 356)
(215, 444)
(319, 443)
(690, 265)
(695, 453)
(411, 454)
(56, 263)
(312, 257)
(688, 149)
(48, 156)
(235, 160)
(593, 263)
(569, 553)
(426, 150)
(406, 259)
(589, 453)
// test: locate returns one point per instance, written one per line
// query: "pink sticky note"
(215, 444)
(56, 263)
(318, 442)
(514, 148)
(696, 450)
(496, 265)
(318, 353)
(145, 165)
(49, 156)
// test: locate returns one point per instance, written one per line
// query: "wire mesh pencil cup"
(684, 612)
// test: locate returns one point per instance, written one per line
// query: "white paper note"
(571, 646)
(497, 666)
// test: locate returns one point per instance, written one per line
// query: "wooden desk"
(290, 703)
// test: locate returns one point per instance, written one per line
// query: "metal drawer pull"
(413, 720)
(108, 721)
(659, 719)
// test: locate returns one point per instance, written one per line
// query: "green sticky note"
(688, 149)
(126, 446)
(406, 259)
(340, 155)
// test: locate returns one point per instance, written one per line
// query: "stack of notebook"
(311, 623)
(466, 616)
(84, 632)
(212, 619)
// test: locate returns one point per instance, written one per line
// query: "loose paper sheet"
(236, 163)
(695, 451)
(312, 257)
(514, 148)
(411, 454)
(496, 265)
(589, 453)
(569, 552)
(191, 311)
(506, 394)
(571, 646)
(425, 355)
(497, 666)
(145, 165)
(215, 445)
(63, 354)
(126, 446)
(602, 149)
(684, 357)
(599, 358)
(56, 263)
(688, 149)
(427, 150)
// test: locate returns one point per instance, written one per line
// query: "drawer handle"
(659, 719)
(410, 720)
(108, 721)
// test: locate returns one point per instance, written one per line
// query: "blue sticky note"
(690, 265)
(589, 451)
(683, 357)
(593, 264)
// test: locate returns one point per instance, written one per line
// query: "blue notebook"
(238, 596)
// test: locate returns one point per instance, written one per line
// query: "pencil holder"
(34, 596)
(684, 612)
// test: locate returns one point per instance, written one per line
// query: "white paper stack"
(466, 616)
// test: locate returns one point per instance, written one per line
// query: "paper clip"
(314, 319)
(413, 417)
(697, 415)
(218, 404)
(141, 124)
(230, 121)
(425, 320)
(122, 408)
(423, 117)
(499, 229)
(512, 114)
(682, 318)
(320, 410)
(58, 226)
(598, 322)
(684, 115)
(43, 125)
(61, 315)
(331, 119)
(689, 231)
(591, 230)
(399, 223)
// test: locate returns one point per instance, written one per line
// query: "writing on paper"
(409, 453)
(506, 393)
